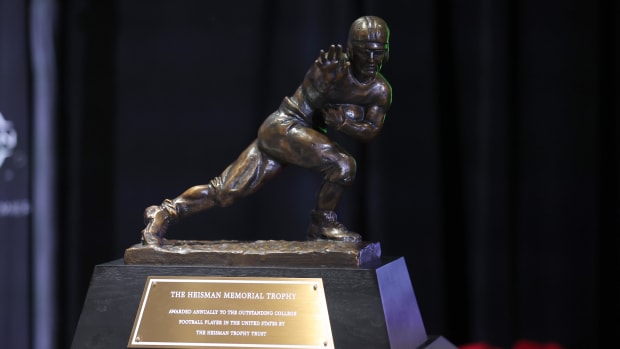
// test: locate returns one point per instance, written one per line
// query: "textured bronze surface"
(256, 253)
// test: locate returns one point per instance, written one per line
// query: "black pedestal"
(369, 307)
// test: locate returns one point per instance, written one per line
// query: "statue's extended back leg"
(241, 178)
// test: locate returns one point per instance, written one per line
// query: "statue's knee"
(342, 172)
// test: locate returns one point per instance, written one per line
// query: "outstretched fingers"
(333, 55)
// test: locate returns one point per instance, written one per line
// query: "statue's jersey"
(313, 94)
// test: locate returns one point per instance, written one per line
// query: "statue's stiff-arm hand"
(332, 64)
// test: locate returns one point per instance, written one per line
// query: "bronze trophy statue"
(331, 291)
(343, 91)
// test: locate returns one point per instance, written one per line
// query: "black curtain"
(496, 175)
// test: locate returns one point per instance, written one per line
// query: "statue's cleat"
(151, 239)
(325, 226)
(156, 220)
(334, 234)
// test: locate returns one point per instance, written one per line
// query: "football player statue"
(343, 91)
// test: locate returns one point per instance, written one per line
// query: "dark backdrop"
(496, 175)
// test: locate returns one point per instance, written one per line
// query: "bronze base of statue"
(256, 253)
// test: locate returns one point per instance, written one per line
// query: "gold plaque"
(232, 312)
